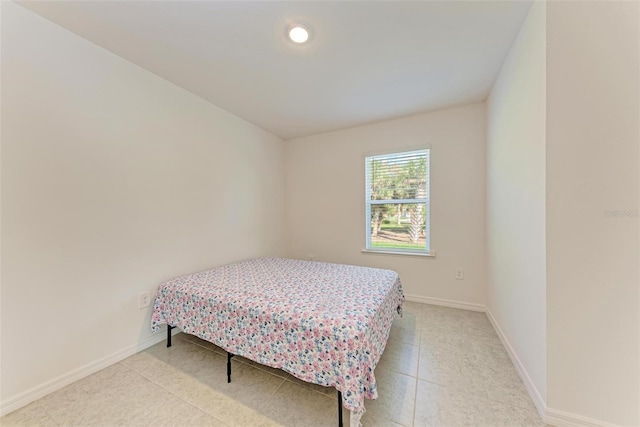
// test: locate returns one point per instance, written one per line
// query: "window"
(397, 202)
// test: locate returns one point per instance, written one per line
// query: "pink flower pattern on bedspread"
(324, 323)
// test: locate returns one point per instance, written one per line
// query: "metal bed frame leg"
(169, 328)
(339, 409)
(229, 356)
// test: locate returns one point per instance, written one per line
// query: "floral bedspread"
(324, 323)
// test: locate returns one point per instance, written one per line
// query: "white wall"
(326, 207)
(113, 180)
(516, 252)
(593, 132)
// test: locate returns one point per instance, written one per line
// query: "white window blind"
(397, 202)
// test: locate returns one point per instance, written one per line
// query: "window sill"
(431, 254)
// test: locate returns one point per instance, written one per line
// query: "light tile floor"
(441, 367)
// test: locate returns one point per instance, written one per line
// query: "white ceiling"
(367, 60)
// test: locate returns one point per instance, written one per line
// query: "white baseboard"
(57, 383)
(446, 303)
(535, 395)
(558, 418)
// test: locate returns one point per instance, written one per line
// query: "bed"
(324, 323)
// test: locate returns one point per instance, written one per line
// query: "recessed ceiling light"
(298, 34)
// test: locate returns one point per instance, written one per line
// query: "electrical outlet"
(311, 256)
(144, 300)
(459, 273)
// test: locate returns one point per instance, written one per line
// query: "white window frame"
(427, 251)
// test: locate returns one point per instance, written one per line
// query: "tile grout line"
(170, 392)
(51, 417)
(310, 388)
(415, 395)
(276, 390)
(202, 346)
